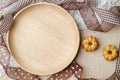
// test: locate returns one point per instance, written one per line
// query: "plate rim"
(34, 4)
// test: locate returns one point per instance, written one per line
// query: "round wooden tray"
(44, 38)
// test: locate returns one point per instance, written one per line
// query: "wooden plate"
(43, 39)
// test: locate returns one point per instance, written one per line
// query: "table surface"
(92, 73)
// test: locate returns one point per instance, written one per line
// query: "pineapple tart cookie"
(110, 52)
(90, 43)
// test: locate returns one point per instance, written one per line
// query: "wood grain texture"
(44, 38)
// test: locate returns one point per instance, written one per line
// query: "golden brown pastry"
(110, 52)
(90, 43)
